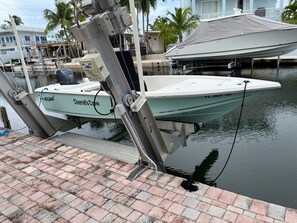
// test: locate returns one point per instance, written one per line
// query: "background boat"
(236, 37)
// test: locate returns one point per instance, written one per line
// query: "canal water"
(263, 163)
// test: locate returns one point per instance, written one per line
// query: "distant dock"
(43, 180)
(148, 61)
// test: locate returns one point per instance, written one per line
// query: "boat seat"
(126, 62)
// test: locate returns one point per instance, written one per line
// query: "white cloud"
(162, 8)
(30, 11)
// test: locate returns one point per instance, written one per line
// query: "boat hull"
(182, 109)
(192, 99)
(256, 45)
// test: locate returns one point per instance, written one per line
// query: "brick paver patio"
(44, 181)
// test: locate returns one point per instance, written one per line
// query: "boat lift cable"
(124, 61)
(236, 132)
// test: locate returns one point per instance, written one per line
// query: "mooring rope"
(237, 128)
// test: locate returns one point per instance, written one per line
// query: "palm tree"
(289, 14)
(146, 5)
(63, 17)
(166, 32)
(18, 21)
(182, 20)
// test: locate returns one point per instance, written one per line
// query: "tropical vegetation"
(289, 14)
(62, 17)
(7, 23)
(167, 33)
(172, 27)
(182, 20)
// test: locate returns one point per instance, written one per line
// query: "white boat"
(236, 37)
(193, 99)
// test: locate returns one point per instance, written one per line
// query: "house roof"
(25, 29)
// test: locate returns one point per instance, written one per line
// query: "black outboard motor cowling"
(65, 76)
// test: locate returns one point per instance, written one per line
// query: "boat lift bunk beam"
(26, 108)
(38, 123)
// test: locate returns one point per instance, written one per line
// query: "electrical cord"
(235, 136)
(41, 93)
(112, 101)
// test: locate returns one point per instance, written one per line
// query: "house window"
(43, 39)
(37, 38)
(27, 38)
(209, 9)
(7, 39)
(2, 40)
(11, 39)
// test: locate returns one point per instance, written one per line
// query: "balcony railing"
(9, 44)
(270, 13)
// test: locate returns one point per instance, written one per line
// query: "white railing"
(9, 44)
(270, 13)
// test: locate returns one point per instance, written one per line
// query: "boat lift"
(46, 126)
(101, 64)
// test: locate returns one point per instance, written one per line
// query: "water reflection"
(200, 172)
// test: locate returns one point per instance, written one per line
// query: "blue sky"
(31, 11)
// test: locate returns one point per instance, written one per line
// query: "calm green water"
(263, 163)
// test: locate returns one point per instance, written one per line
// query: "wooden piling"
(4, 117)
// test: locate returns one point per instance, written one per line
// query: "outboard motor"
(65, 76)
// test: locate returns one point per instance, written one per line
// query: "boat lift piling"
(4, 118)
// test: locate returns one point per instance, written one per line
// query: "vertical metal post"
(19, 46)
(137, 47)
(42, 61)
(252, 67)
(278, 62)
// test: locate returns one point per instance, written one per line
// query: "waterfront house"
(155, 42)
(28, 36)
(209, 9)
(53, 37)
